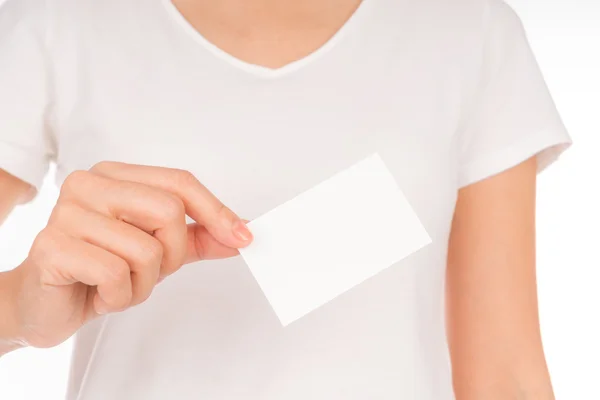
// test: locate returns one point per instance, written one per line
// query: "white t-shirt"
(447, 92)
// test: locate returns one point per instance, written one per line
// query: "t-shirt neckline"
(260, 70)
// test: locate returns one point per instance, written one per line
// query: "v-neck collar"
(260, 70)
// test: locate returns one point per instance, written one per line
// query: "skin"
(271, 33)
(126, 225)
(493, 323)
(115, 232)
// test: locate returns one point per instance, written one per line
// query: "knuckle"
(73, 182)
(223, 211)
(102, 166)
(62, 211)
(185, 177)
(172, 209)
(117, 271)
(151, 253)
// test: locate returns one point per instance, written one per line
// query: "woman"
(158, 109)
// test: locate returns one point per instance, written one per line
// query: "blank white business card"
(331, 238)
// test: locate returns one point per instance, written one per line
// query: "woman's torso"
(135, 83)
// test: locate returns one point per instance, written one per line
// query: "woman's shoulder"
(455, 12)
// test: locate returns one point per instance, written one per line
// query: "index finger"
(200, 204)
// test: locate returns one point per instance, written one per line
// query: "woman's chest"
(256, 144)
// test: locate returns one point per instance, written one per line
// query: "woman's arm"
(493, 324)
(13, 191)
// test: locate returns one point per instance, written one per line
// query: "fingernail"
(101, 310)
(241, 231)
(101, 307)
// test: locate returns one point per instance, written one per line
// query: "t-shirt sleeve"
(513, 116)
(26, 145)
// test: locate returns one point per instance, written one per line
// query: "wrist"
(9, 321)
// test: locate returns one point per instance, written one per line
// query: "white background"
(565, 36)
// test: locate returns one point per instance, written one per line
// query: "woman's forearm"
(14, 191)
(8, 322)
(508, 388)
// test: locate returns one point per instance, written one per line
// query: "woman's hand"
(116, 231)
